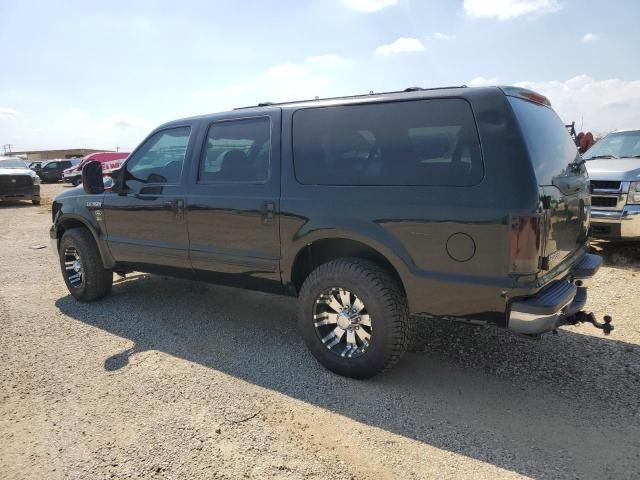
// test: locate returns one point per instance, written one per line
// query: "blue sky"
(101, 74)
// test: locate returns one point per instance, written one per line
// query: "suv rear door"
(233, 200)
(562, 179)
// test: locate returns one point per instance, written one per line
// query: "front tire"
(75, 182)
(353, 317)
(81, 265)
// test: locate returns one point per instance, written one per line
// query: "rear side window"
(237, 151)
(425, 142)
(550, 146)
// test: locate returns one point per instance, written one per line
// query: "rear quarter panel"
(411, 226)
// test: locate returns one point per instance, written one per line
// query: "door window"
(51, 166)
(237, 151)
(160, 158)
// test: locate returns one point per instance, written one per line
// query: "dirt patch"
(173, 379)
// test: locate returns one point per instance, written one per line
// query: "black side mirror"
(92, 178)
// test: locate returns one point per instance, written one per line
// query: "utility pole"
(7, 148)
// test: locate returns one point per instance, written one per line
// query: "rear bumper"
(543, 311)
(616, 224)
(70, 177)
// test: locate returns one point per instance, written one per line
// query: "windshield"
(616, 145)
(12, 164)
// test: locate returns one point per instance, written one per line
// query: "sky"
(89, 74)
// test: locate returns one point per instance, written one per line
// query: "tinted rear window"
(550, 146)
(425, 142)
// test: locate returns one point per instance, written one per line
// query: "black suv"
(463, 203)
(52, 170)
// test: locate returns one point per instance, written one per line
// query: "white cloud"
(443, 36)
(70, 128)
(590, 37)
(8, 113)
(401, 45)
(599, 106)
(369, 5)
(482, 82)
(282, 82)
(506, 9)
(329, 59)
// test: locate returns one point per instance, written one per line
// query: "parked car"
(18, 182)
(614, 168)
(110, 161)
(35, 165)
(464, 203)
(51, 170)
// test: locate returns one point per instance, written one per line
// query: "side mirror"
(92, 178)
(108, 183)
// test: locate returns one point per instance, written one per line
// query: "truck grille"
(14, 181)
(605, 185)
(604, 201)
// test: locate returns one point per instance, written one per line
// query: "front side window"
(51, 166)
(237, 151)
(160, 158)
(424, 142)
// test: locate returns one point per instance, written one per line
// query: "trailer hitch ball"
(589, 317)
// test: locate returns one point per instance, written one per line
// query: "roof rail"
(345, 97)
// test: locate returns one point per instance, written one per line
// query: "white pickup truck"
(614, 169)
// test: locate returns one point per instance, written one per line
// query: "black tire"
(75, 182)
(96, 281)
(35, 201)
(385, 302)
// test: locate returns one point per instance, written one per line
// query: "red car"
(110, 161)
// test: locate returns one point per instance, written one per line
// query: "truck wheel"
(75, 182)
(353, 316)
(82, 269)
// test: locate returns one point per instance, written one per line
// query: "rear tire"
(81, 265)
(381, 339)
(35, 202)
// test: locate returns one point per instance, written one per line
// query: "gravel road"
(174, 379)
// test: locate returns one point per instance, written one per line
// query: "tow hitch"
(589, 317)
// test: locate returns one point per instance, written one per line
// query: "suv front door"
(50, 172)
(233, 202)
(144, 220)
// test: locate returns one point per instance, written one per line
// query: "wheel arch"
(70, 221)
(316, 251)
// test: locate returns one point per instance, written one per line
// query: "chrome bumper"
(543, 311)
(616, 224)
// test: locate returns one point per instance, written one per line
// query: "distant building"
(32, 155)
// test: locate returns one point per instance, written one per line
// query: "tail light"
(525, 244)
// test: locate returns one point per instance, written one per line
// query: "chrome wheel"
(73, 267)
(342, 322)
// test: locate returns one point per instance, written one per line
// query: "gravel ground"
(173, 379)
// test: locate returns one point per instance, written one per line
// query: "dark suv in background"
(52, 170)
(463, 203)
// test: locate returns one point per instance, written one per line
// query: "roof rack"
(345, 97)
